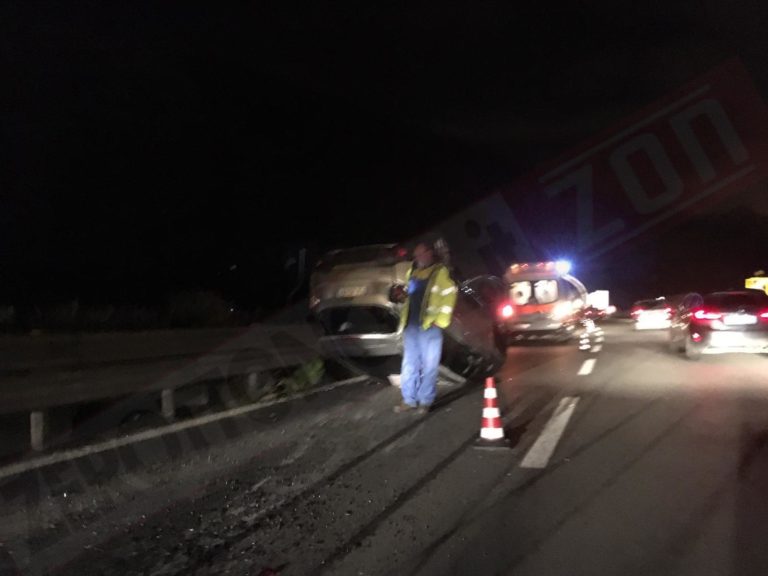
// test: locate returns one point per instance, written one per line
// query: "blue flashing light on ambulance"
(544, 301)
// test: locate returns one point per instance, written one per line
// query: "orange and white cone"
(491, 430)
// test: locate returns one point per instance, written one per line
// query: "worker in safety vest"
(428, 308)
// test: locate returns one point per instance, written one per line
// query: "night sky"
(149, 147)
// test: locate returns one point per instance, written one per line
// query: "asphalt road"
(623, 459)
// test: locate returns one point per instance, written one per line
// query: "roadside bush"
(96, 317)
(7, 317)
(181, 310)
(135, 318)
(305, 377)
(63, 315)
(187, 309)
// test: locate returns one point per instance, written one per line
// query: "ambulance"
(543, 302)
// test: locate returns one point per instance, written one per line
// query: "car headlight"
(562, 310)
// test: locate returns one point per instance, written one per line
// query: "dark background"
(151, 149)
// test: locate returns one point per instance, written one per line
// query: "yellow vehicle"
(758, 282)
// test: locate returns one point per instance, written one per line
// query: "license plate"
(653, 314)
(728, 339)
(739, 319)
(351, 291)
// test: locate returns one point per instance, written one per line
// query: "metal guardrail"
(80, 375)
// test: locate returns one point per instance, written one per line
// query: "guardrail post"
(253, 385)
(167, 405)
(37, 426)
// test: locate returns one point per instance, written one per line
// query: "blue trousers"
(421, 359)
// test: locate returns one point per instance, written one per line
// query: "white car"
(652, 314)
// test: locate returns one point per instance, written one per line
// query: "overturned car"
(354, 298)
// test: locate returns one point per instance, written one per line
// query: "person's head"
(423, 255)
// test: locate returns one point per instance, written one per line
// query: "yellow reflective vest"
(439, 297)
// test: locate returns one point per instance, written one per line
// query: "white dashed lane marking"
(587, 367)
(541, 451)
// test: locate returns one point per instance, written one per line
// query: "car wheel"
(691, 351)
(675, 346)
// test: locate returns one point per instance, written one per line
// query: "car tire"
(691, 352)
(675, 346)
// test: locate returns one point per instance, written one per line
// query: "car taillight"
(636, 311)
(764, 315)
(702, 314)
(506, 311)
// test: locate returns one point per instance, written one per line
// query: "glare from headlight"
(562, 310)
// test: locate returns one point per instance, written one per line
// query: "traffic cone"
(491, 430)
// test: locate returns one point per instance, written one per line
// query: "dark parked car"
(721, 322)
(354, 297)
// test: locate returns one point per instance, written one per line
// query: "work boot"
(404, 407)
